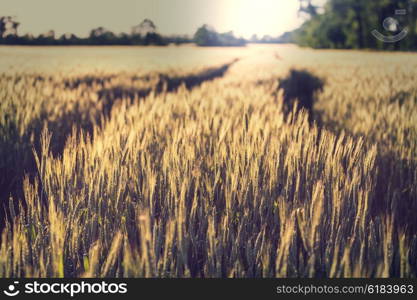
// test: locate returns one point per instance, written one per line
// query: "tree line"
(340, 24)
(143, 34)
(348, 24)
(207, 36)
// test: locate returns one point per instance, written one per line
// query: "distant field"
(112, 59)
(180, 162)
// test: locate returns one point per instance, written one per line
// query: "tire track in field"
(17, 150)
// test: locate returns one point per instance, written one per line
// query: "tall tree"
(145, 27)
(306, 6)
(8, 26)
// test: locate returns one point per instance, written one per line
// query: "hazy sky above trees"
(244, 17)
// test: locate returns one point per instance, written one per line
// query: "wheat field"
(169, 172)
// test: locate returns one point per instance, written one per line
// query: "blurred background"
(319, 24)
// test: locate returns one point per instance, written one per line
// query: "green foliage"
(205, 36)
(349, 23)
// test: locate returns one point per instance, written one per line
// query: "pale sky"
(244, 17)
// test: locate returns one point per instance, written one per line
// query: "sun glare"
(271, 17)
(243, 17)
